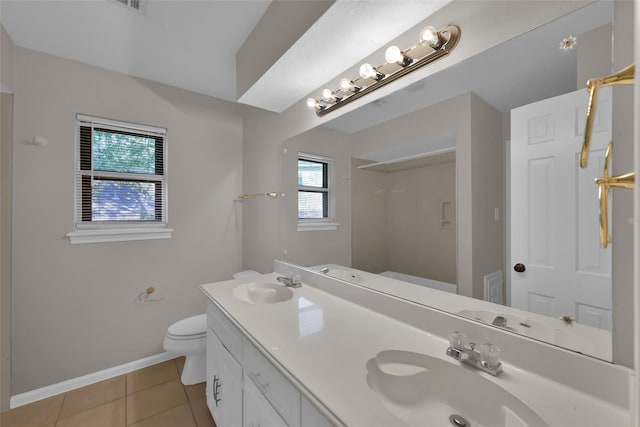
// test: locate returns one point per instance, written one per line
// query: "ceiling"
(187, 44)
(193, 44)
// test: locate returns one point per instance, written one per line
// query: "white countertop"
(324, 342)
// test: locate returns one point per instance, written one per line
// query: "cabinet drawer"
(230, 336)
(257, 411)
(272, 384)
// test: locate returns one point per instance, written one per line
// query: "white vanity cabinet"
(224, 383)
(257, 410)
(244, 388)
(275, 388)
(310, 416)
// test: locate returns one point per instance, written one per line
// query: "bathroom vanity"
(336, 353)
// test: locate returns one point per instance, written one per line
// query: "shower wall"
(404, 218)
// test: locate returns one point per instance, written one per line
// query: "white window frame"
(317, 224)
(116, 231)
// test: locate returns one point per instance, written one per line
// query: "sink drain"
(459, 421)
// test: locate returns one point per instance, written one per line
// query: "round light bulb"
(327, 95)
(346, 84)
(429, 35)
(367, 71)
(393, 55)
(312, 104)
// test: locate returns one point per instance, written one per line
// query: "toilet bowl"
(188, 337)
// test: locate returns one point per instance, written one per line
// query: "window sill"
(318, 226)
(118, 235)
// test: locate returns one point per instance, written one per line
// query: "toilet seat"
(187, 337)
(188, 329)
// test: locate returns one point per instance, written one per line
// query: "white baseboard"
(72, 384)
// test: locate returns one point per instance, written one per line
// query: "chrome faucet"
(483, 357)
(290, 281)
(324, 270)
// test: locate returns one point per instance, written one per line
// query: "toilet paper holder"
(143, 297)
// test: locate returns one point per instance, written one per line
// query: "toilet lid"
(196, 325)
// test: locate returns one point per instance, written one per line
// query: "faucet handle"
(457, 340)
(489, 355)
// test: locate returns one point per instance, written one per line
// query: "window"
(314, 194)
(120, 180)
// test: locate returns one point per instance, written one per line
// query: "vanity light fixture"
(395, 55)
(368, 72)
(346, 85)
(429, 35)
(329, 96)
(432, 45)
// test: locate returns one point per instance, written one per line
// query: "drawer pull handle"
(254, 425)
(262, 386)
(217, 393)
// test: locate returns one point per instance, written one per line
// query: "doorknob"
(519, 268)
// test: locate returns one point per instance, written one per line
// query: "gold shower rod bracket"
(622, 77)
(605, 184)
(273, 195)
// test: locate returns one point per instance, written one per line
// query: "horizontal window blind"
(120, 174)
(313, 187)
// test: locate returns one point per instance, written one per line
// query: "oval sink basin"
(262, 293)
(422, 390)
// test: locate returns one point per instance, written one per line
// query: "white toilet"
(188, 337)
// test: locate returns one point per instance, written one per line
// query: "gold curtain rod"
(272, 195)
(605, 184)
(622, 77)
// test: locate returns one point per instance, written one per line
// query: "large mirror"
(429, 176)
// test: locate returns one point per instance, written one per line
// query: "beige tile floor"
(150, 397)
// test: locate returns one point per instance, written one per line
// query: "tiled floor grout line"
(64, 397)
(126, 401)
(154, 415)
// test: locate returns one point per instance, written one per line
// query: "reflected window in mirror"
(315, 201)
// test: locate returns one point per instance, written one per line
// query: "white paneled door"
(557, 265)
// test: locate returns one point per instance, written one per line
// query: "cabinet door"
(224, 384)
(258, 412)
(311, 417)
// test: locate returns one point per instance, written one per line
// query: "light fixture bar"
(448, 38)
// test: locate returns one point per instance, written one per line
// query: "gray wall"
(369, 211)
(397, 218)
(487, 191)
(7, 54)
(622, 200)
(73, 305)
(7, 59)
(316, 246)
(477, 129)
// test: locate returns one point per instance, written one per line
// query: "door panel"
(554, 210)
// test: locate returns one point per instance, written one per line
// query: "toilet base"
(195, 370)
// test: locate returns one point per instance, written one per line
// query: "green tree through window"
(121, 175)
